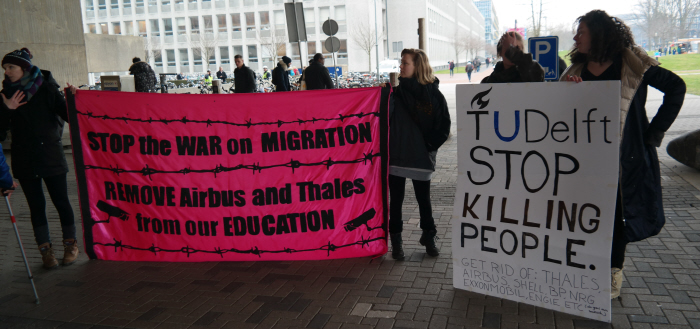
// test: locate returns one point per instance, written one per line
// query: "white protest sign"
(536, 190)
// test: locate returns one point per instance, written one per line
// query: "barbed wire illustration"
(210, 122)
(329, 247)
(294, 164)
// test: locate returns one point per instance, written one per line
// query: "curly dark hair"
(609, 36)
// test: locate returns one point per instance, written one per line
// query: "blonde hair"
(424, 72)
(518, 38)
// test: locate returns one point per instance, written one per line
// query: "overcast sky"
(557, 11)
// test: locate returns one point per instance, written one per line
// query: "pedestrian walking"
(452, 69)
(280, 77)
(316, 75)
(34, 111)
(243, 77)
(420, 124)
(605, 50)
(516, 66)
(477, 64)
(469, 68)
(144, 76)
(221, 75)
(488, 61)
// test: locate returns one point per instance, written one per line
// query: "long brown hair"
(424, 72)
(609, 36)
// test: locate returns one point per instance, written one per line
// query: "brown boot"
(70, 253)
(47, 256)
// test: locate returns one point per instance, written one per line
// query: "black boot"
(427, 239)
(396, 246)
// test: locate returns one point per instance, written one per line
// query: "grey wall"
(112, 53)
(52, 30)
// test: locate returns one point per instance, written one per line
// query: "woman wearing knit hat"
(34, 111)
(280, 77)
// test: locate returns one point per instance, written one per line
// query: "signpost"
(296, 25)
(544, 51)
(332, 44)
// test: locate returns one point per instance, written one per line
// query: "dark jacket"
(144, 77)
(317, 77)
(419, 123)
(244, 80)
(640, 176)
(5, 177)
(280, 77)
(221, 75)
(37, 129)
(524, 70)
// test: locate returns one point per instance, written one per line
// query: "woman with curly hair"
(605, 50)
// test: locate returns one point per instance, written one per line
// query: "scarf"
(29, 84)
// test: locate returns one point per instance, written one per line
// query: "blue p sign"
(544, 51)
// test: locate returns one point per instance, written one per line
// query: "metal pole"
(298, 33)
(376, 35)
(333, 55)
(21, 248)
(386, 5)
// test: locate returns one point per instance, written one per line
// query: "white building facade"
(447, 21)
(179, 34)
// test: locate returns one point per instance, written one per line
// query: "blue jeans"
(469, 74)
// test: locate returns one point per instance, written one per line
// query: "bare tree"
(685, 11)
(204, 44)
(666, 20)
(153, 48)
(473, 44)
(536, 19)
(458, 44)
(364, 37)
(273, 42)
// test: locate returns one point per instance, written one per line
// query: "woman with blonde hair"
(420, 124)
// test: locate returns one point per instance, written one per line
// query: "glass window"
(128, 28)
(221, 20)
(312, 49)
(170, 54)
(323, 14)
(238, 50)
(208, 24)
(309, 17)
(279, 19)
(250, 21)
(194, 24)
(142, 28)
(252, 54)
(235, 22)
(127, 3)
(264, 20)
(181, 28)
(184, 61)
(104, 29)
(139, 3)
(159, 59)
(92, 29)
(89, 5)
(115, 4)
(197, 57)
(168, 25)
(225, 59)
(343, 52)
(155, 28)
(340, 14)
(282, 51)
(164, 2)
(116, 28)
(101, 4)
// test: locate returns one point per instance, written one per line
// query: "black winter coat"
(244, 79)
(37, 129)
(280, 78)
(419, 123)
(221, 75)
(317, 77)
(525, 69)
(640, 173)
(144, 77)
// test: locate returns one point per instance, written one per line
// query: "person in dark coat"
(317, 75)
(34, 111)
(280, 77)
(221, 75)
(516, 66)
(243, 77)
(419, 123)
(144, 76)
(605, 50)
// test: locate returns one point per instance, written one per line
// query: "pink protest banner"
(191, 178)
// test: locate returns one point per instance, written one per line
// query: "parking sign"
(545, 51)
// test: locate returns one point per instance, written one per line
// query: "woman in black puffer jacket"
(34, 110)
(419, 124)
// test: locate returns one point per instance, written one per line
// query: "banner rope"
(210, 122)
(294, 164)
(119, 246)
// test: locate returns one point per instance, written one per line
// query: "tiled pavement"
(661, 290)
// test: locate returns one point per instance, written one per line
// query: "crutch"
(21, 248)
